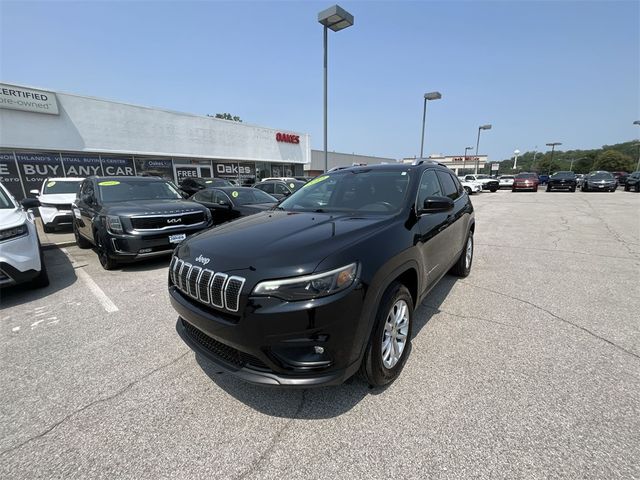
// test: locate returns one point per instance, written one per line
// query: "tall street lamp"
(553, 147)
(336, 19)
(516, 152)
(427, 96)
(464, 163)
(481, 127)
(637, 122)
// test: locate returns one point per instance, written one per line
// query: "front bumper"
(130, 247)
(20, 259)
(274, 342)
(562, 186)
(601, 186)
(52, 216)
(524, 186)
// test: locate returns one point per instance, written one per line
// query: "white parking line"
(105, 301)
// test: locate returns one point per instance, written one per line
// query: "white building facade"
(45, 133)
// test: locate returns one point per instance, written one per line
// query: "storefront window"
(160, 167)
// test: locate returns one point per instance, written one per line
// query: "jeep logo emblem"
(174, 220)
(202, 260)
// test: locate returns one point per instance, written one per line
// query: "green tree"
(613, 161)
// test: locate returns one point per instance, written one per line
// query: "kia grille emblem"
(174, 220)
(202, 260)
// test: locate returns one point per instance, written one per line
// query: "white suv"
(20, 255)
(56, 196)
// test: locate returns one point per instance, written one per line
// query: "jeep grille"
(211, 288)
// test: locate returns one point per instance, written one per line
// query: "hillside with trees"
(621, 157)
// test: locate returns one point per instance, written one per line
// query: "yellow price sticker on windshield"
(208, 181)
(234, 194)
(316, 180)
(109, 183)
(50, 184)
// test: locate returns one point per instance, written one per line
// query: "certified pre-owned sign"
(27, 99)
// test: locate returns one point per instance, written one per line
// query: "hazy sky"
(538, 71)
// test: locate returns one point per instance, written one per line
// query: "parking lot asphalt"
(528, 368)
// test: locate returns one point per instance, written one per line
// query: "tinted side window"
(429, 187)
(204, 196)
(469, 178)
(220, 197)
(458, 185)
(281, 189)
(448, 187)
(265, 187)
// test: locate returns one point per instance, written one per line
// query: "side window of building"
(429, 187)
(448, 187)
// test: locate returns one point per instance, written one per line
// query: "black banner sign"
(155, 167)
(9, 175)
(35, 168)
(117, 166)
(81, 166)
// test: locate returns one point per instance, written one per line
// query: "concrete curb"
(49, 246)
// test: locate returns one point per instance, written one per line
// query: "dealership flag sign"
(27, 99)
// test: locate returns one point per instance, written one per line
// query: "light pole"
(637, 122)
(553, 147)
(533, 163)
(516, 152)
(335, 18)
(427, 96)
(481, 127)
(464, 162)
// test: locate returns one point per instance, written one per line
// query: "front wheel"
(462, 267)
(626, 188)
(47, 228)
(42, 280)
(106, 261)
(81, 242)
(390, 341)
(493, 190)
(468, 190)
(548, 188)
(535, 189)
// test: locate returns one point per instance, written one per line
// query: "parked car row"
(569, 181)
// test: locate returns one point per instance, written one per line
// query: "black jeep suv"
(132, 218)
(325, 284)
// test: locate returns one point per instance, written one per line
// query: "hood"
(255, 207)
(152, 207)
(278, 244)
(11, 217)
(57, 198)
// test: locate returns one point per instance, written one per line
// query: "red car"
(525, 181)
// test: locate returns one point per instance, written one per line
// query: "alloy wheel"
(396, 329)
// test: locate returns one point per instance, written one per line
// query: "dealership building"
(53, 134)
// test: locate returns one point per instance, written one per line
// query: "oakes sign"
(287, 138)
(27, 99)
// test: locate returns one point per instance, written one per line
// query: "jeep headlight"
(113, 224)
(14, 232)
(309, 286)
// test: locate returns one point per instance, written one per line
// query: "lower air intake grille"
(222, 351)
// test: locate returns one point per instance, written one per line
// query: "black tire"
(548, 188)
(81, 242)
(584, 188)
(513, 190)
(42, 280)
(612, 190)
(627, 188)
(461, 268)
(573, 189)
(106, 261)
(535, 189)
(493, 190)
(47, 228)
(468, 190)
(638, 187)
(373, 369)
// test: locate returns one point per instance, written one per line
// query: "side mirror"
(88, 199)
(184, 194)
(28, 203)
(34, 192)
(287, 193)
(436, 204)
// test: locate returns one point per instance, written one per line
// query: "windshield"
(483, 176)
(368, 191)
(601, 176)
(5, 201)
(60, 186)
(526, 175)
(128, 190)
(250, 195)
(563, 175)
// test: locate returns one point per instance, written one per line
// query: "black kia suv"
(133, 218)
(324, 285)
